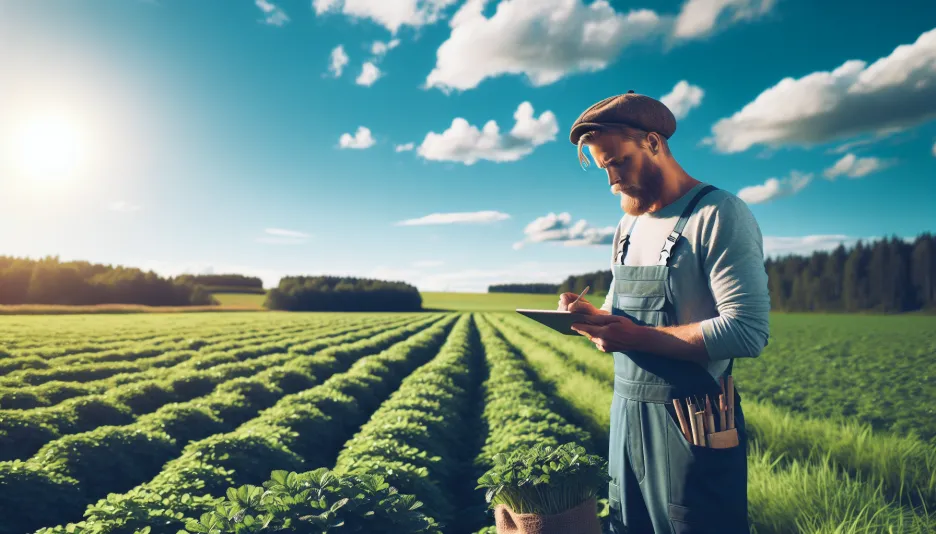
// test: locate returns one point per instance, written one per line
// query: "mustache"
(627, 190)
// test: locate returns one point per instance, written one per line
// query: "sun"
(49, 148)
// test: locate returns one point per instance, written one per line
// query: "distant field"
(496, 301)
(247, 300)
(444, 300)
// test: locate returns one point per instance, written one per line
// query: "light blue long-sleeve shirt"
(717, 271)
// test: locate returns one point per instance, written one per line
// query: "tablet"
(560, 321)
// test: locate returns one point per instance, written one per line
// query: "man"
(689, 295)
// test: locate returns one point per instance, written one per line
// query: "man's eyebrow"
(603, 164)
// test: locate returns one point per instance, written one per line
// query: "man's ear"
(655, 143)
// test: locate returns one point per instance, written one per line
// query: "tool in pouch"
(700, 429)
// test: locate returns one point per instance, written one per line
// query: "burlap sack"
(583, 519)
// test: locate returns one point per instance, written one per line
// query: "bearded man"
(689, 295)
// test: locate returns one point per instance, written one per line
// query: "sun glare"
(49, 149)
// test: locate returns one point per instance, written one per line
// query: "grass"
(880, 370)
(246, 300)
(487, 302)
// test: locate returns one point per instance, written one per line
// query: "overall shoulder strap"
(625, 242)
(681, 223)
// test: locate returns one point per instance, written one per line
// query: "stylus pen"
(578, 297)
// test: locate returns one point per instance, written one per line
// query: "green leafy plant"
(317, 501)
(544, 480)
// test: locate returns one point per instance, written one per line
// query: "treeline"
(340, 293)
(226, 283)
(523, 288)
(886, 275)
(51, 281)
(597, 282)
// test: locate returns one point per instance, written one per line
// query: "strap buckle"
(668, 247)
(622, 248)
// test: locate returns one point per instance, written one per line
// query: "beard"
(637, 199)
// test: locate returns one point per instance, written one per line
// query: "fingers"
(564, 300)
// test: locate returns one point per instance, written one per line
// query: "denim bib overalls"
(660, 481)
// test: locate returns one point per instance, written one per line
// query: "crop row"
(517, 412)
(582, 397)
(302, 429)
(421, 436)
(23, 433)
(134, 351)
(52, 393)
(136, 359)
(70, 334)
(45, 337)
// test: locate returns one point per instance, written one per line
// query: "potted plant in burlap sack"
(546, 490)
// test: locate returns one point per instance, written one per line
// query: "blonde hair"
(625, 132)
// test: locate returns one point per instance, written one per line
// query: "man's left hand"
(609, 333)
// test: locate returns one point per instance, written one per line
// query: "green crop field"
(112, 423)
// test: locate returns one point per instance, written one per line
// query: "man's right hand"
(582, 306)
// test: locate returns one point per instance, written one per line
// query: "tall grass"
(807, 496)
(903, 467)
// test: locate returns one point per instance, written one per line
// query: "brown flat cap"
(630, 109)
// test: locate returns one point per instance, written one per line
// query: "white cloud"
(361, 139)
(286, 233)
(855, 167)
(894, 93)
(698, 18)
(405, 147)
(281, 236)
(934, 149)
(369, 74)
(864, 142)
(683, 98)
(804, 245)
(391, 14)
(464, 143)
(122, 206)
(559, 228)
(774, 188)
(546, 40)
(275, 16)
(339, 58)
(428, 263)
(380, 48)
(457, 217)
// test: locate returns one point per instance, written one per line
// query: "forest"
(523, 288)
(884, 275)
(226, 283)
(51, 281)
(342, 293)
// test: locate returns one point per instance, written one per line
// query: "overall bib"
(660, 481)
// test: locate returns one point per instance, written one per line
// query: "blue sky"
(207, 136)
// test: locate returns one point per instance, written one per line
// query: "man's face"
(632, 171)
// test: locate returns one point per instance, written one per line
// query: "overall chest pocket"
(644, 300)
